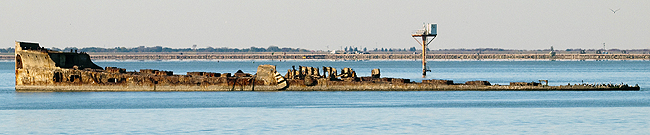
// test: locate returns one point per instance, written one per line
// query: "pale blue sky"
(319, 25)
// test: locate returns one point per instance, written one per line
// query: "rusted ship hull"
(39, 69)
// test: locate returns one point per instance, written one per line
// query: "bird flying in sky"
(615, 10)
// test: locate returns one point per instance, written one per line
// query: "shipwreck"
(41, 69)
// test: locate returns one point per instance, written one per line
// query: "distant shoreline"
(363, 56)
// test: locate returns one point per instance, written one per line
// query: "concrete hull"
(39, 69)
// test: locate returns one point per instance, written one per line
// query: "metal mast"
(429, 30)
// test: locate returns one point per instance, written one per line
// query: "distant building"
(337, 52)
(552, 53)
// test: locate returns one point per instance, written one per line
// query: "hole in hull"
(19, 62)
(112, 80)
(75, 78)
(58, 77)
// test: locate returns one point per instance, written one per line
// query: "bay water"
(357, 112)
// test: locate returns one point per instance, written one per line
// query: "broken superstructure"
(40, 69)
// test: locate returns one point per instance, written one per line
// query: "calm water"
(421, 112)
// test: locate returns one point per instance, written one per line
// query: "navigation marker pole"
(429, 30)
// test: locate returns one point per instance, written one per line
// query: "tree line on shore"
(193, 49)
(167, 49)
(207, 49)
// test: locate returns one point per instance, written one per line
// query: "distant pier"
(366, 56)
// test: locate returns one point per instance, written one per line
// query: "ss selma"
(40, 69)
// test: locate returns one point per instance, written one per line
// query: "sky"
(327, 24)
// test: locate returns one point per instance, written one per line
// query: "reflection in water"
(449, 112)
